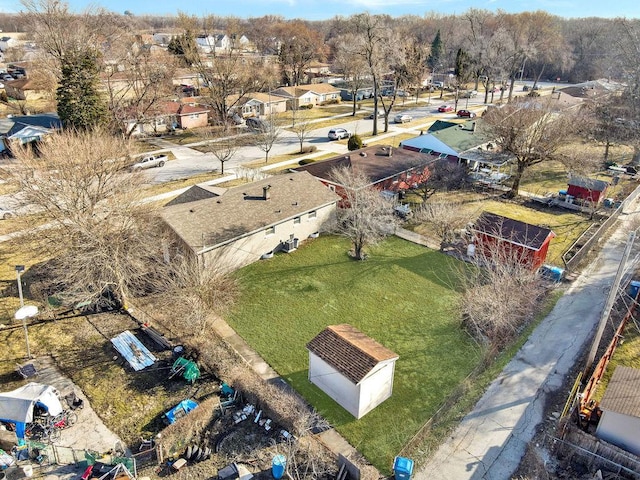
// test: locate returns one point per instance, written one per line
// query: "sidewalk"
(491, 440)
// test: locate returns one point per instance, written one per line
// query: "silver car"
(338, 133)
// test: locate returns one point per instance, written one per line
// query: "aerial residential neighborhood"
(275, 243)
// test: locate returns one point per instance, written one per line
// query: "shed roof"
(374, 162)
(623, 392)
(512, 231)
(242, 210)
(588, 183)
(349, 351)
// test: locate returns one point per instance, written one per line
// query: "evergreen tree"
(80, 105)
(463, 66)
(437, 53)
(183, 46)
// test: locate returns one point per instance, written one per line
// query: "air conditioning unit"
(290, 245)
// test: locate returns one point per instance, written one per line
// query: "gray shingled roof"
(349, 351)
(510, 230)
(374, 162)
(242, 210)
(588, 183)
(623, 392)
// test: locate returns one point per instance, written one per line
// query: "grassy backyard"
(403, 296)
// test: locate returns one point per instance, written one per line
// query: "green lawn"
(402, 296)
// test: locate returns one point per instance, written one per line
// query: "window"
(312, 215)
(296, 220)
(270, 231)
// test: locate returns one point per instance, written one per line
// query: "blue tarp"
(133, 350)
(180, 410)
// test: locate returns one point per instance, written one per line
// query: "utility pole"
(613, 293)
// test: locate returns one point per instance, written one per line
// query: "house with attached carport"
(251, 221)
(503, 239)
(353, 369)
(24, 129)
(468, 143)
(620, 420)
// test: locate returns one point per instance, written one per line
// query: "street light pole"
(19, 270)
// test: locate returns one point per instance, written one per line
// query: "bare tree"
(301, 125)
(267, 137)
(529, 130)
(352, 66)
(103, 242)
(443, 218)
(223, 149)
(501, 292)
(365, 216)
(444, 175)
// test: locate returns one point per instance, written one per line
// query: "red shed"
(495, 235)
(587, 188)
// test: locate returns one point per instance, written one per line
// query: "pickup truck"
(149, 161)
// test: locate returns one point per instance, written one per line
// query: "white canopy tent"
(17, 405)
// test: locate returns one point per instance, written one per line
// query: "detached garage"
(620, 405)
(353, 369)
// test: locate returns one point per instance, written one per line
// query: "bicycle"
(42, 432)
(64, 420)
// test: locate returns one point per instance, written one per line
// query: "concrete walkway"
(491, 440)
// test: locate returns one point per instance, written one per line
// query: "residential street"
(491, 440)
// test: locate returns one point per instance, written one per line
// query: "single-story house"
(255, 104)
(251, 221)
(8, 42)
(315, 94)
(504, 239)
(586, 188)
(26, 89)
(167, 116)
(352, 368)
(467, 143)
(27, 128)
(221, 42)
(620, 420)
(387, 168)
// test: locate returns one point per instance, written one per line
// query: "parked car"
(525, 88)
(7, 78)
(257, 124)
(149, 161)
(380, 114)
(338, 133)
(438, 84)
(469, 94)
(402, 118)
(445, 108)
(465, 114)
(6, 214)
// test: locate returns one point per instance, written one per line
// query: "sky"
(325, 9)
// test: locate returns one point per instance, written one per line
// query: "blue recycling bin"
(278, 466)
(402, 468)
(634, 287)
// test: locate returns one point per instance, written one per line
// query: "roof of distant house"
(454, 139)
(349, 351)
(512, 231)
(623, 392)
(242, 210)
(300, 90)
(374, 162)
(46, 121)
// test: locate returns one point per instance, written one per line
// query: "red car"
(465, 113)
(445, 108)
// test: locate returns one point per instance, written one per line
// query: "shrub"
(305, 161)
(333, 101)
(354, 143)
(309, 149)
(308, 106)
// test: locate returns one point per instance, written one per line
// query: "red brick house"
(387, 168)
(509, 239)
(585, 188)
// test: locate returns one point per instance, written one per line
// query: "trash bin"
(634, 287)
(402, 468)
(278, 466)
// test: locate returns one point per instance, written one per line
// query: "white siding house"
(353, 369)
(251, 221)
(620, 405)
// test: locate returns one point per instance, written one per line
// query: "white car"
(403, 118)
(338, 133)
(380, 114)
